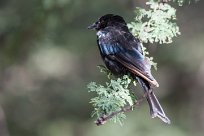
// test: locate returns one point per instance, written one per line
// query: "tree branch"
(102, 120)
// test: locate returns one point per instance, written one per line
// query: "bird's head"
(107, 20)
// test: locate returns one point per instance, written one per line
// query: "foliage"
(156, 24)
(111, 97)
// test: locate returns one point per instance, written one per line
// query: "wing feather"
(124, 48)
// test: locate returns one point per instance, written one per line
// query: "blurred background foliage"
(47, 57)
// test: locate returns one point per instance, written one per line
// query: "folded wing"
(124, 48)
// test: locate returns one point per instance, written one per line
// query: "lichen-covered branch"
(112, 97)
(102, 120)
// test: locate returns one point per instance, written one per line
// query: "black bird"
(122, 54)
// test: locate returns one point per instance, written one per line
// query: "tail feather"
(156, 110)
(154, 105)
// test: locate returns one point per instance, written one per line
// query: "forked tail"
(154, 105)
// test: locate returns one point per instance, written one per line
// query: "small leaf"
(112, 97)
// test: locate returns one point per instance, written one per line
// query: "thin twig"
(102, 120)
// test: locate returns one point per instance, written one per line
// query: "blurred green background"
(47, 57)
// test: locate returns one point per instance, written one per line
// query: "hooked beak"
(93, 26)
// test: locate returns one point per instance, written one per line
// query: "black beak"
(93, 26)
